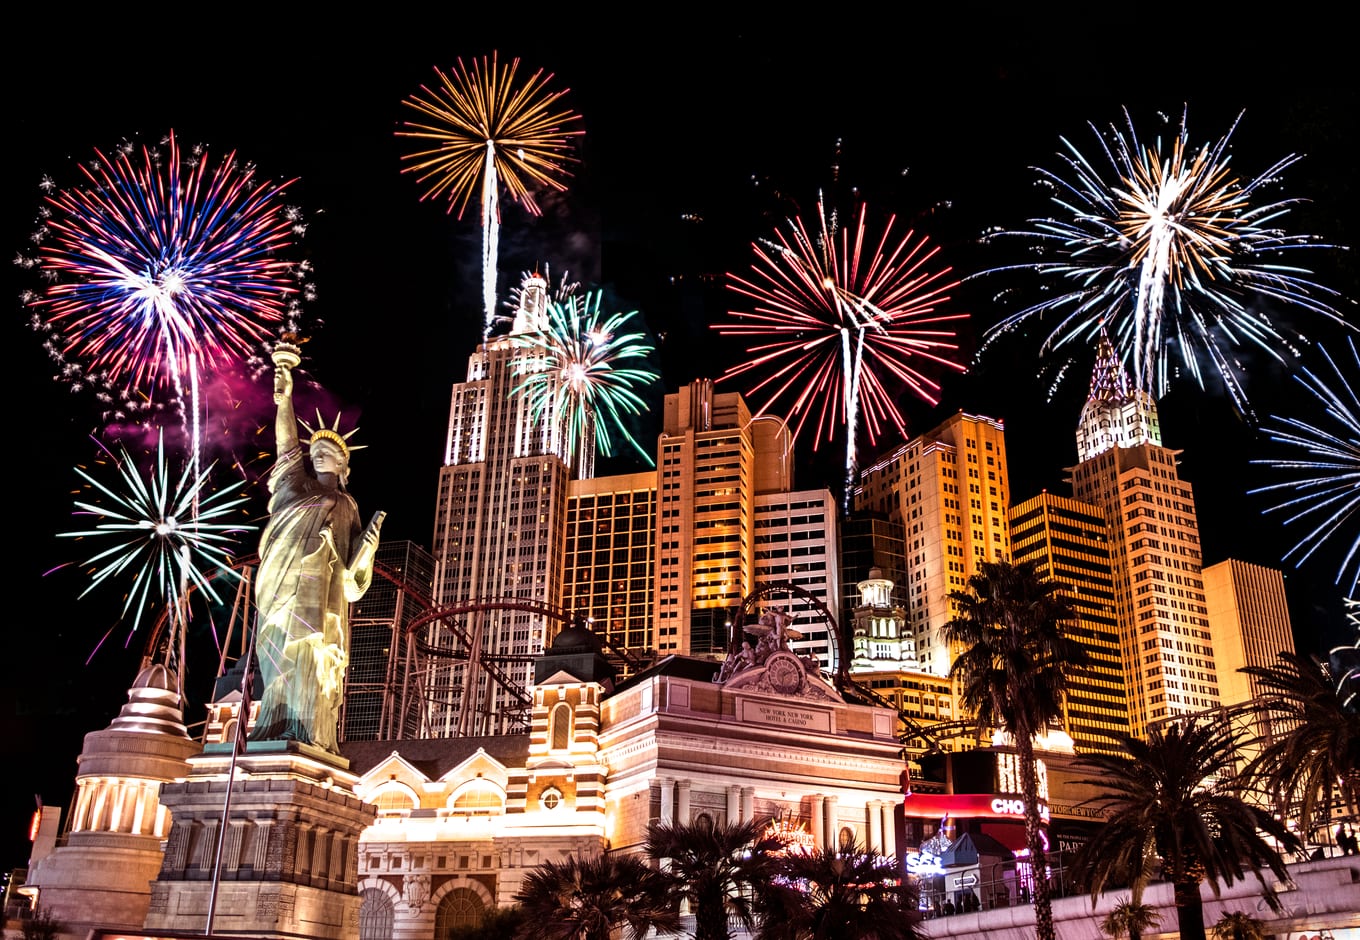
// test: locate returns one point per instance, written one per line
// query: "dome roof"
(574, 637)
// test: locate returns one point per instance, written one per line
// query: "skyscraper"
(1068, 541)
(1154, 535)
(949, 490)
(714, 457)
(795, 543)
(500, 525)
(1249, 619)
(610, 560)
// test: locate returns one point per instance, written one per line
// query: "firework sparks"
(841, 322)
(167, 532)
(1171, 250)
(481, 125)
(585, 370)
(1324, 489)
(161, 269)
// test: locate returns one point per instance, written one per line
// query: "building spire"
(1115, 415)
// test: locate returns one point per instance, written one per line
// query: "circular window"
(551, 798)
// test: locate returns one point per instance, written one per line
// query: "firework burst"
(1323, 493)
(161, 268)
(482, 128)
(841, 322)
(1172, 250)
(585, 369)
(166, 532)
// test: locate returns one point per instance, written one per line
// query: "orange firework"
(482, 125)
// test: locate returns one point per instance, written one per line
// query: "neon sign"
(922, 864)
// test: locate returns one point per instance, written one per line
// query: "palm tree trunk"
(710, 916)
(1029, 785)
(1189, 911)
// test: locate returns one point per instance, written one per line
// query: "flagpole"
(237, 746)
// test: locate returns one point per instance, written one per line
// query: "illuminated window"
(393, 800)
(478, 799)
(559, 727)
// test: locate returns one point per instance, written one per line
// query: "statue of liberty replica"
(315, 560)
(283, 836)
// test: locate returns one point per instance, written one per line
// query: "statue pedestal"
(290, 857)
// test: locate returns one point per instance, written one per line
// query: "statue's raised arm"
(315, 560)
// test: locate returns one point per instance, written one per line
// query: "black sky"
(936, 118)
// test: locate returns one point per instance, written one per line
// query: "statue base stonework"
(290, 857)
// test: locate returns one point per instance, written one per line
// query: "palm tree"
(1177, 789)
(1319, 750)
(1129, 918)
(843, 893)
(715, 867)
(1237, 925)
(586, 899)
(1015, 666)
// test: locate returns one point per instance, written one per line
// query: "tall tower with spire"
(1123, 468)
(500, 523)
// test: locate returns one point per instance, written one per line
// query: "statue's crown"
(332, 434)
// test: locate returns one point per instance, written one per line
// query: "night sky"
(700, 136)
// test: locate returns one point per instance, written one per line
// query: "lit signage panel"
(968, 805)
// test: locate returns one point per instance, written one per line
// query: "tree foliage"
(587, 898)
(1015, 665)
(1177, 787)
(716, 868)
(843, 893)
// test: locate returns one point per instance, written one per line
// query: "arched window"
(460, 909)
(393, 800)
(478, 799)
(375, 916)
(559, 727)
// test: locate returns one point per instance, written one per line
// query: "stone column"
(748, 804)
(889, 829)
(833, 822)
(875, 840)
(682, 802)
(733, 804)
(818, 823)
(667, 800)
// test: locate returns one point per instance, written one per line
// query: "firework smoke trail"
(487, 129)
(161, 270)
(1167, 245)
(166, 532)
(840, 321)
(1324, 491)
(585, 370)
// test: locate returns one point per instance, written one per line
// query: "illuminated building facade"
(714, 459)
(795, 543)
(500, 525)
(380, 646)
(1249, 620)
(461, 822)
(949, 490)
(611, 558)
(1068, 541)
(1168, 654)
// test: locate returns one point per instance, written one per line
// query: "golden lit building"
(949, 490)
(610, 558)
(714, 458)
(1167, 649)
(1249, 620)
(1068, 541)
